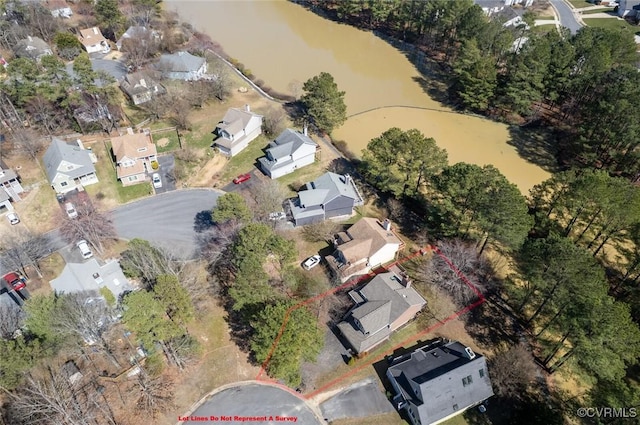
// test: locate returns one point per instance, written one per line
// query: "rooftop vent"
(386, 225)
(469, 353)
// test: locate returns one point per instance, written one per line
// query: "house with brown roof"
(93, 41)
(238, 128)
(383, 305)
(367, 244)
(134, 153)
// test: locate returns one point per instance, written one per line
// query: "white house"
(91, 276)
(138, 34)
(368, 243)
(59, 8)
(182, 66)
(69, 167)
(134, 154)
(288, 152)
(238, 127)
(93, 41)
(10, 182)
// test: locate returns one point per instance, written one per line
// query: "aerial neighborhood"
(435, 220)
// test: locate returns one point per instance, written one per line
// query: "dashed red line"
(353, 282)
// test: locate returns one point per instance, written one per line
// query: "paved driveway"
(238, 404)
(360, 400)
(166, 220)
(232, 187)
(167, 164)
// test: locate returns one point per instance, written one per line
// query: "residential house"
(629, 8)
(237, 129)
(182, 66)
(91, 276)
(138, 34)
(367, 244)
(93, 40)
(5, 202)
(69, 166)
(134, 153)
(32, 48)
(383, 305)
(59, 8)
(491, 7)
(140, 87)
(288, 152)
(10, 182)
(438, 381)
(330, 195)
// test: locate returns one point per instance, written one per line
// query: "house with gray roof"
(140, 87)
(238, 128)
(288, 152)
(91, 276)
(59, 8)
(383, 305)
(32, 48)
(330, 195)
(69, 166)
(438, 381)
(182, 66)
(10, 182)
(138, 34)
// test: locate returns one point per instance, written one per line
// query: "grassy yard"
(612, 23)
(166, 141)
(245, 160)
(603, 10)
(543, 29)
(109, 189)
(580, 3)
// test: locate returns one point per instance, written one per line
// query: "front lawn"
(245, 160)
(578, 4)
(131, 193)
(594, 11)
(543, 29)
(612, 23)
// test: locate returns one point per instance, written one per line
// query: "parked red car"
(242, 178)
(16, 282)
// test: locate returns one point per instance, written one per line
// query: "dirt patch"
(206, 176)
(162, 142)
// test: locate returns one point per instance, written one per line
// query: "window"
(63, 184)
(481, 371)
(467, 381)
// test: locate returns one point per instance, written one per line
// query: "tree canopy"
(231, 206)
(323, 102)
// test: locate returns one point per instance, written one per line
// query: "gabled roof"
(131, 145)
(90, 275)
(138, 82)
(429, 371)
(367, 237)
(59, 151)
(326, 188)
(236, 119)
(180, 62)
(6, 173)
(56, 4)
(91, 36)
(283, 147)
(32, 47)
(386, 298)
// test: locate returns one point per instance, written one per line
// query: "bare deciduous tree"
(51, 398)
(178, 107)
(221, 82)
(155, 393)
(213, 242)
(91, 224)
(45, 113)
(148, 261)
(269, 196)
(140, 49)
(322, 231)
(28, 141)
(512, 371)
(40, 21)
(22, 248)
(11, 317)
(464, 259)
(273, 122)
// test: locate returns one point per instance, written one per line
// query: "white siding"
(384, 255)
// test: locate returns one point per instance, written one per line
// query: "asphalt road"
(566, 15)
(166, 220)
(254, 400)
(360, 400)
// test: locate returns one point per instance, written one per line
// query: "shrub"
(155, 165)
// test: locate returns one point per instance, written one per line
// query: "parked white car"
(83, 246)
(71, 210)
(311, 262)
(157, 181)
(13, 218)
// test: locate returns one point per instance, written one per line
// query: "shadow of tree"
(537, 145)
(202, 221)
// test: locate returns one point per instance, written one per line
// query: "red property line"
(412, 338)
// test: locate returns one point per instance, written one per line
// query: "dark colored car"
(16, 282)
(242, 178)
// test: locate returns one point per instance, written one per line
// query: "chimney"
(130, 131)
(386, 225)
(30, 38)
(247, 108)
(304, 130)
(469, 354)
(95, 30)
(406, 282)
